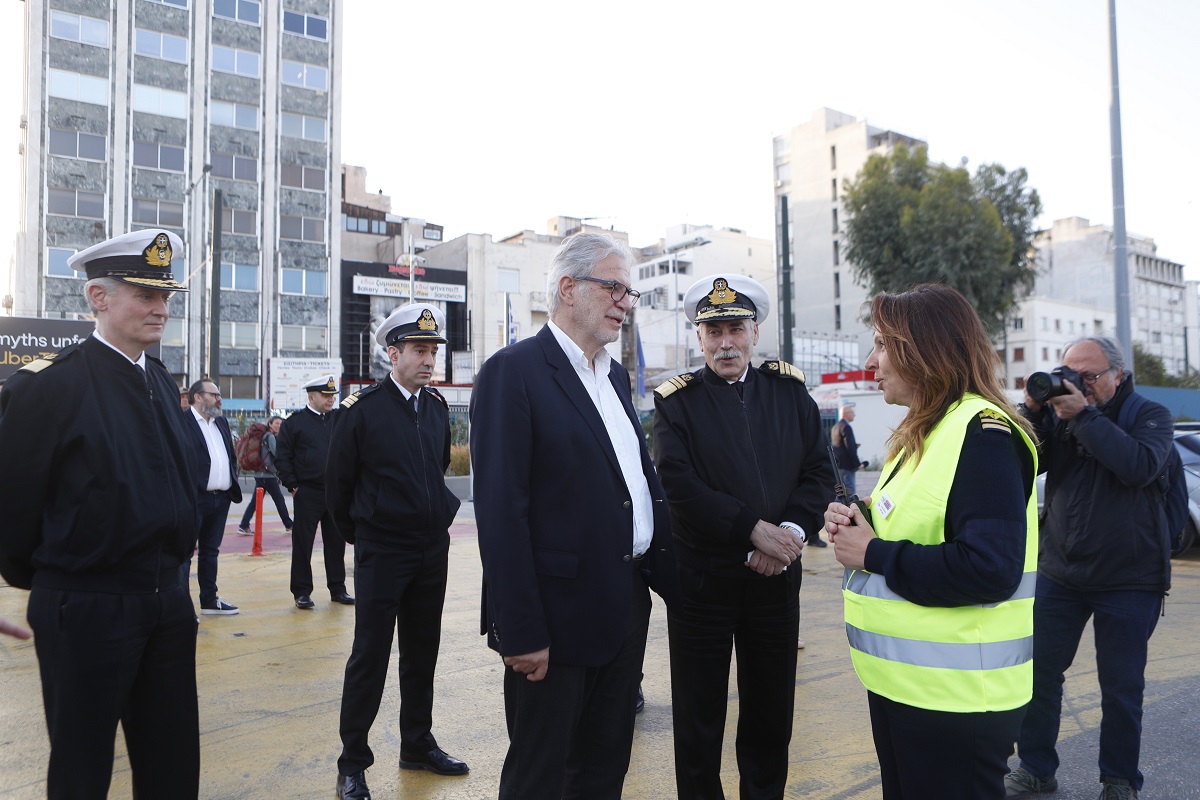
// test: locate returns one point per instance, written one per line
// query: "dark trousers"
(1123, 623)
(212, 510)
(941, 755)
(310, 512)
(761, 617)
(130, 658)
(850, 479)
(270, 485)
(401, 590)
(570, 733)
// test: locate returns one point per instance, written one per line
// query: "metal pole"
(675, 300)
(214, 321)
(1120, 261)
(785, 283)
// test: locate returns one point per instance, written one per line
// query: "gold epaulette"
(35, 367)
(670, 385)
(783, 369)
(994, 421)
(438, 395)
(354, 398)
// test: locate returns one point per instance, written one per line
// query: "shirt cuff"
(796, 529)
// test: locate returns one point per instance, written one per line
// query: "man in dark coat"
(572, 528)
(387, 492)
(301, 452)
(100, 514)
(216, 488)
(743, 459)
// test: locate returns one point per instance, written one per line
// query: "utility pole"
(785, 283)
(214, 314)
(1120, 259)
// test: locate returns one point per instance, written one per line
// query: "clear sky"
(493, 117)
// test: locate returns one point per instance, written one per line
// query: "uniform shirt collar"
(140, 361)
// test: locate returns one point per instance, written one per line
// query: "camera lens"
(1043, 385)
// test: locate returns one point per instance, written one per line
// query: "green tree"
(1148, 368)
(912, 221)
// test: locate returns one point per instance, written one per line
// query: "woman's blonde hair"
(937, 344)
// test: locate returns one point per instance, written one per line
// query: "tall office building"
(812, 163)
(138, 113)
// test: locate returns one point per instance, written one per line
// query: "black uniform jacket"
(727, 462)
(302, 449)
(554, 514)
(203, 463)
(96, 474)
(386, 475)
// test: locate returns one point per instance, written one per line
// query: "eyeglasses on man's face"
(1090, 380)
(616, 290)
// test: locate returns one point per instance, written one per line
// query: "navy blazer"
(555, 517)
(203, 464)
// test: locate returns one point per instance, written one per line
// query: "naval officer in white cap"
(100, 512)
(741, 454)
(388, 495)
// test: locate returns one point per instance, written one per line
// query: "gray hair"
(577, 257)
(1109, 347)
(110, 286)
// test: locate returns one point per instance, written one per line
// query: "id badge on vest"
(884, 505)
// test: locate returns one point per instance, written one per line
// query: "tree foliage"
(1149, 370)
(912, 221)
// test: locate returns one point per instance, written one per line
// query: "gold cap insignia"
(158, 253)
(721, 293)
(426, 322)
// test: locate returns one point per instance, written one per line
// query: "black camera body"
(1041, 386)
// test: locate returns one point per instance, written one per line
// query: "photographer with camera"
(1105, 554)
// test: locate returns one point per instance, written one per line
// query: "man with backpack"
(261, 459)
(1105, 555)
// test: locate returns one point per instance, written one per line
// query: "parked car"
(1187, 447)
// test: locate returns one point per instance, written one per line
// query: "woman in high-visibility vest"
(940, 570)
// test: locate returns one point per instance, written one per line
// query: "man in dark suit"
(99, 514)
(387, 492)
(217, 486)
(301, 452)
(572, 528)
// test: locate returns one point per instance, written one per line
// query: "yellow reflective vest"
(967, 658)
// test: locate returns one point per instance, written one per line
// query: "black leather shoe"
(639, 705)
(436, 760)
(342, 597)
(304, 601)
(353, 787)
(817, 541)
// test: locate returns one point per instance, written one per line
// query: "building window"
(300, 126)
(833, 186)
(74, 203)
(165, 102)
(234, 115)
(1018, 354)
(432, 233)
(1045, 354)
(158, 156)
(365, 225)
(157, 212)
(239, 277)
(240, 10)
(837, 285)
(75, 28)
(239, 334)
(239, 220)
(173, 333)
(1058, 326)
(837, 317)
(306, 76)
(835, 221)
(833, 156)
(1018, 323)
(303, 281)
(153, 44)
(238, 168)
(76, 144)
(74, 86)
(301, 337)
(305, 229)
(837, 253)
(305, 25)
(300, 177)
(237, 62)
(179, 3)
(56, 263)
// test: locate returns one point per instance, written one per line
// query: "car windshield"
(1188, 447)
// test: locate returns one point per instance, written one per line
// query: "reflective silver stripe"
(868, 584)
(992, 655)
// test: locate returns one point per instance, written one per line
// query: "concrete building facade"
(812, 162)
(138, 113)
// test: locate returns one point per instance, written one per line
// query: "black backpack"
(1171, 483)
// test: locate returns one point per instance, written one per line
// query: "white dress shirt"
(626, 440)
(219, 478)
